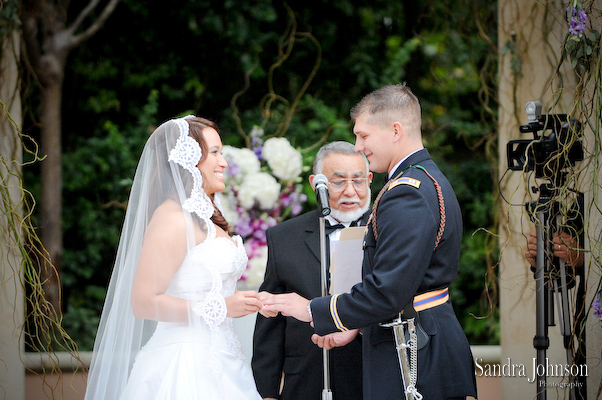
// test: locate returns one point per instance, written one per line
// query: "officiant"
(282, 346)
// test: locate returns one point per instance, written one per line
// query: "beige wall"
(520, 23)
(68, 386)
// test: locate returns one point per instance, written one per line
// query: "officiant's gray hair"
(339, 147)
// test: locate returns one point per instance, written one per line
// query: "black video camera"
(546, 155)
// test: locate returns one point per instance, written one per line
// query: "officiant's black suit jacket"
(283, 344)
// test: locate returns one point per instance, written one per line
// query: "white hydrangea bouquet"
(263, 187)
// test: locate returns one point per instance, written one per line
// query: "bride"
(166, 328)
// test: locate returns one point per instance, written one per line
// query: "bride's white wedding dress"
(201, 359)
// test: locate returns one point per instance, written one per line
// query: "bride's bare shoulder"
(168, 218)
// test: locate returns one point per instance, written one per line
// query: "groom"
(411, 258)
(282, 345)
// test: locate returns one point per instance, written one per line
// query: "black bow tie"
(328, 229)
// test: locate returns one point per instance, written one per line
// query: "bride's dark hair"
(197, 124)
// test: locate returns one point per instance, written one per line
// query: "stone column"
(530, 40)
(12, 372)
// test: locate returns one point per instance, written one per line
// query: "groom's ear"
(311, 181)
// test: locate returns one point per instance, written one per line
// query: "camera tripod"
(553, 283)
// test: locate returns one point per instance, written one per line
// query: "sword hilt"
(394, 322)
(407, 365)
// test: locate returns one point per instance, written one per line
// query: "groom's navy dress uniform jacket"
(283, 344)
(398, 266)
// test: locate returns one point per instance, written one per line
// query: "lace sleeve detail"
(213, 309)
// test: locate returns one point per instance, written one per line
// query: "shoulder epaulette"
(404, 181)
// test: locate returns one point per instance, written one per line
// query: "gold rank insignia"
(404, 181)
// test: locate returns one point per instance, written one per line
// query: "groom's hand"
(336, 339)
(289, 305)
(265, 296)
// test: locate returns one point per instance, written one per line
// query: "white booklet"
(347, 257)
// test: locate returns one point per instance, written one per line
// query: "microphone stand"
(326, 392)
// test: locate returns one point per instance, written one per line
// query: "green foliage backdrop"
(244, 63)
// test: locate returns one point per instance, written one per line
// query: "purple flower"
(257, 142)
(287, 199)
(296, 209)
(233, 168)
(257, 132)
(578, 20)
(597, 308)
(271, 222)
(244, 227)
(257, 150)
(259, 234)
(251, 247)
(294, 198)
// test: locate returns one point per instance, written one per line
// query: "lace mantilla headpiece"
(187, 153)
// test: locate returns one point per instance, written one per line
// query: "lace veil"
(167, 170)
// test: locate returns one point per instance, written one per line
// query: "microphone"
(321, 187)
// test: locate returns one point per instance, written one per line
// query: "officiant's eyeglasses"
(338, 185)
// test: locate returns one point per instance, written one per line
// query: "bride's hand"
(265, 296)
(243, 303)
